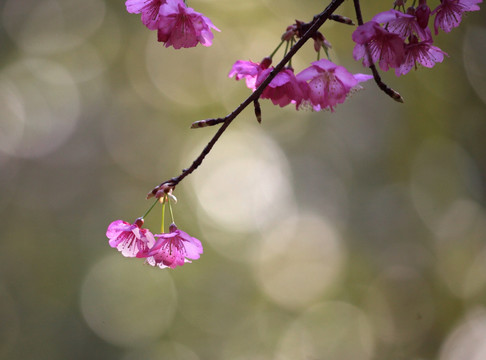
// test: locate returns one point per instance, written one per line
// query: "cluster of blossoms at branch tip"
(177, 25)
(402, 39)
(321, 86)
(164, 250)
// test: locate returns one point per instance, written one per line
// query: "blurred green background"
(353, 235)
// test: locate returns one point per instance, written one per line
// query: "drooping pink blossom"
(329, 84)
(172, 249)
(401, 24)
(283, 89)
(385, 47)
(128, 238)
(421, 52)
(249, 71)
(149, 10)
(448, 14)
(182, 27)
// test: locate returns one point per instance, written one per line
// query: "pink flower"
(385, 47)
(181, 26)
(149, 9)
(249, 71)
(329, 84)
(401, 24)
(283, 89)
(128, 238)
(448, 14)
(422, 52)
(172, 249)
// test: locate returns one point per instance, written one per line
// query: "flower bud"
(266, 62)
(138, 222)
(423, 13)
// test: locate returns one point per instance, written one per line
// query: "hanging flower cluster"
(177, 25)
(321, 86)
(171, 249)
(402, 39)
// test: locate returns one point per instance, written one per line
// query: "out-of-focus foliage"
(353, 235)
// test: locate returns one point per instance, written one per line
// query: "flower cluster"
(399, 38)
(171, 249)
(402, 39)
(321, 86)
(177, 25)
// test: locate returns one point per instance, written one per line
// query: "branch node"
(206, 122)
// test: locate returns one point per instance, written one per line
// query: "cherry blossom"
(128, 238)
(182, 27)
(149, 9)
(401, 24)
(172, 249)
(283, 89)
(422, 52)
(448, 14)
(329, 84)
(385, 47)
(249, 71)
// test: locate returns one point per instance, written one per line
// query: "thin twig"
(384, 87)
(316, 24)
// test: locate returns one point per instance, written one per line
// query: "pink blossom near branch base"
(329, 84)
(182, 27)
(129, 239)
(172, 249)
(283, 89)
(249, 71)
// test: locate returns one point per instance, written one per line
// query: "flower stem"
(278, 47)
(163, 218)
(150, 209)
(287, 48)
(171, 213)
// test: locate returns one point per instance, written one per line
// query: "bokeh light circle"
(245, 184)
(442, 173)
(42, 106)
(466, 341)
(294, 268)
(330, 330)
(126, 303)
(50, 26)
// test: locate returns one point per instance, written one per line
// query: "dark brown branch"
(384, 87)
(316, 24)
